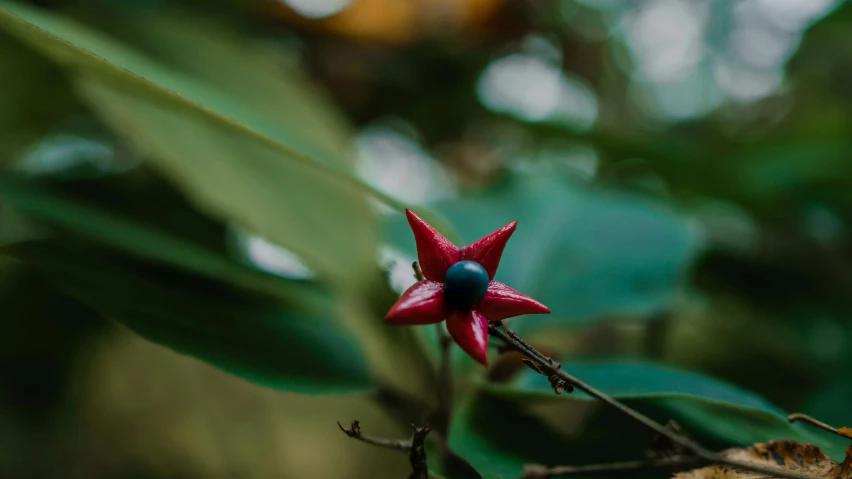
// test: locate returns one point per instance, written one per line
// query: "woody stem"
(541, 472)
(445, 382)
(551, 368)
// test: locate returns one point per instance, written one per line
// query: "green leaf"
(697, 401)
(52, 206)
(226, 156)
(715, 413)
(496, 438)
(34, 96)
(585, 253)
(139, 215)
(257, 339)
(276, 91)
(783, 168)
(830, 403)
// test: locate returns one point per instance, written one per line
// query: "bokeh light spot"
(532, 89)
(317, 8)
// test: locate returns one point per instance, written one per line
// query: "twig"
(445, 371)
(840, 431)
(542, 472)
(416, 446)
(796, 417)
(551, 368)
(417, 455)
(445, 382)
(355, 432)
(444, 409)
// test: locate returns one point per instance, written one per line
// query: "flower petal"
(501, 302)
(488, 250)
(469, 329)
(422, 303)
(435, 253)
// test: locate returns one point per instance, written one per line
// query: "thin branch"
(550, 367)
(553, 370)
(542, 472)
(441, 415)
(416, 446)
(840, 431)
(355, 432)
(445, 381)
(796, 417)
(445, 371)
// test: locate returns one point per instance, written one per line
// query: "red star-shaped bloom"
(460, 288)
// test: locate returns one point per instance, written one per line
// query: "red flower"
(460, 288)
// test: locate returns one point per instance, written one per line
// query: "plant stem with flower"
(457, 285)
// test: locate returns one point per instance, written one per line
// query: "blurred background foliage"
(200, 228)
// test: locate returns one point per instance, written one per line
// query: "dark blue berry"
(465, 283)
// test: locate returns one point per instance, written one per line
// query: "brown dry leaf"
(790, 455)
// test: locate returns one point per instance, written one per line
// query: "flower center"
(465, 283)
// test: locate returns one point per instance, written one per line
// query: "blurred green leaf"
(709, 409)
(585, 253)
(832, 404)
(149, 241)
(498, 439)
(34, 96)
(271, 87)
(789, 167)
(257, 339)
(225, 155)
(137, 214)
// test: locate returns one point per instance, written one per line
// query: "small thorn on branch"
(558, 384)
(353, 431)
(535, 360)
(530, 364)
